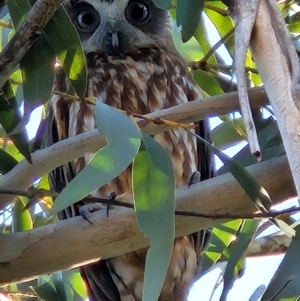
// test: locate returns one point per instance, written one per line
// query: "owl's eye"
(137, 12)
(87, 19)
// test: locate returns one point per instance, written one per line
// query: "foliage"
(212, 69)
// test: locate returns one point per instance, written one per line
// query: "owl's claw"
(86, 210)
(194, 178)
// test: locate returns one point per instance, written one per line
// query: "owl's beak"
(113, 42)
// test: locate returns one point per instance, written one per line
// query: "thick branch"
(26, 35)
(74, 241)
(48, 159)
(278, 65)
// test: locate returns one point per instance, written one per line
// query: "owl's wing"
(207, 171)
(99, 282)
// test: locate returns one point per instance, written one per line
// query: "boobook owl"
(134, 66)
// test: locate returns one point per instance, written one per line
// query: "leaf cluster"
(207, 31)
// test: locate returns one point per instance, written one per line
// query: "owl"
(133, 66)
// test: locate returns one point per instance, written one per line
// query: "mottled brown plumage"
(132, 66)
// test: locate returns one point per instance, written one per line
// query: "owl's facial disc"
(117, 27)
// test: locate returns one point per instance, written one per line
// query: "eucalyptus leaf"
(285, 284)
(22, 220)
(12, 121)
(188, 15)
(244, 237)
(7, 162)
(164, 4)
(123, 139)
(154, 201)
(65, 42)
(207, 83)
(220, 240)
(47, 291)
(37, 69)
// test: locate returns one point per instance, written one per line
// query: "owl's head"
(118, 27)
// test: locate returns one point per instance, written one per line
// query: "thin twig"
(115, 202)
(213, 49)
(6, 24)
(28, 294)
(29, 193)
(160, 121)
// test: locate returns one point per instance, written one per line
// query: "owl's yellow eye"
(137, 12)
(87, 19)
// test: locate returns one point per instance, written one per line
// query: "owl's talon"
(86, 210)
(194, 178)
(112, 197)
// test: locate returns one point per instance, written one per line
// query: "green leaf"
(7, 162)
(244, 236)
(18, 11)
(37, 69)
(74, 279)
(37, 66)
(285, 284)
(190, 50)
(188, 15)
(123, 138)
(221, 238)
(11, 120)
(22, 220)
(202, 38)
(207, 83)
(163, 4)
(47, 290)
(228, 133)
(294, 23)
(154, 201)
(66, 44)
(222, 24)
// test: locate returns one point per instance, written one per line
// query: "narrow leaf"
(221, 238)
(47, 291)
(7, 162)
(22, 219)
(37, 69)
(251, 186)
(11, 120)
(66, 44)
(188, 15)
(207, 83)
(163, 4)
(74, 279)
(123, 138)
(18, 11)
(154, 200)
(37, 66)
(285, 284)
(244, 237)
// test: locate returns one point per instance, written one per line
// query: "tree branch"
(23, 175)
(227, 215)
(278, 65)
(74, 241)
(26, 35)
(270, 245)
